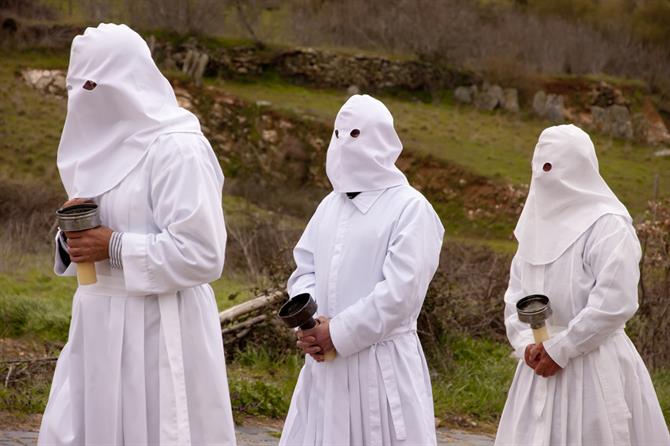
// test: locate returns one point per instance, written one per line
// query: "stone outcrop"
(605, 95)
(310, 66)
(649, 126)
(614, 120)
(47, 81)
(194, 65)
(549, 106)
(511, 100)
(464, 94)
(488, 97)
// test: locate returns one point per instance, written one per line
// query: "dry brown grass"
(651, 326)
(26, 220)
(493, 40)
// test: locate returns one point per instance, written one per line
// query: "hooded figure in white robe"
(577, 245)
(367, 256)
(144, 361)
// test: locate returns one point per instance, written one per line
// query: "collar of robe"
(365, 200)
(118, 104)
(566, 196)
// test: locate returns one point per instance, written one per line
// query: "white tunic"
(603, 395)
(368, 263)
(144, 360)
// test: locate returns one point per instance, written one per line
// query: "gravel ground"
(266, 436)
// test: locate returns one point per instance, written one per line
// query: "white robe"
(603, 395)
(144, 361)
(368, 263)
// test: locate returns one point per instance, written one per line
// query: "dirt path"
(267, 436)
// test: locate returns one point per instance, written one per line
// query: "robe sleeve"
(518, 333)
(411, 261)
(612, 253)
(303, 278)
(185, 190)
(63, 266)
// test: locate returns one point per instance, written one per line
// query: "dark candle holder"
(299, 312)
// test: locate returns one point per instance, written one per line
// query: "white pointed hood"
(118, 104)
(364, 148)
(565, 200)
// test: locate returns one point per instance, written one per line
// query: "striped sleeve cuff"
(115, 244)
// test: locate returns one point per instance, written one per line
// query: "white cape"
(144, 360)
(118, 104)
(603, 395)
(566, 196)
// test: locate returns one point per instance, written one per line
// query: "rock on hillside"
(46, 81)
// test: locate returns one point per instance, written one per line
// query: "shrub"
(651, 327)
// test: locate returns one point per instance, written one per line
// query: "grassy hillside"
(35, 305)
(30, 123)
(496, 145)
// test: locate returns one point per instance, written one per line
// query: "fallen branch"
(30, 360)
(238, 321)
(238, 311)
(9, 374)
(246, 324)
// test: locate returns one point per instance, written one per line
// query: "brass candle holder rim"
(537, 316)
(78, 209)
(78, 217)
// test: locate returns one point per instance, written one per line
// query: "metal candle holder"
(299, 312)
(535, 310)
(80, 217)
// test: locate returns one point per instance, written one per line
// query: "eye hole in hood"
(547, 167)
(89, 85)
(355, 133)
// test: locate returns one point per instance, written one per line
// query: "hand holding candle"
(317, 341)
(544, 365)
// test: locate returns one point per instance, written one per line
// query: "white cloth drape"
(368, 263)
(603, 395)
(564, 200)
(118, 104)
(144, 360)
(364, 147)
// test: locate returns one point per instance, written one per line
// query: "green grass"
(28, 397)
(262, 382)
(30, 123)
(477, 383)
(37, 304)
(34, 304)
(497, 145)
(661, 379)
